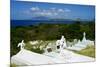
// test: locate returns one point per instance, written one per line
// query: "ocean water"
(15, 23)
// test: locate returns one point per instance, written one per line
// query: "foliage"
(50, 32)
(38, 50)
(89, 51)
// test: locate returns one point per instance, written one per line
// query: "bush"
(37, 50)
(50, 32)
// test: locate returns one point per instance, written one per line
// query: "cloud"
(43, 12)
(46, 14)
(64, 10)
(53, 8)
(67, 10)
(50, 12)
(34, 9)
(60, 10)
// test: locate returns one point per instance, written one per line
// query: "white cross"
(21, 45)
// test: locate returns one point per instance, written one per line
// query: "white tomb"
(26, 57)
(82, 44)
(61, 44)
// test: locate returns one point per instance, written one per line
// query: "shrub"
(37, 50)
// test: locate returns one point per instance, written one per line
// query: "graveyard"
(41, 52)
(51, 33)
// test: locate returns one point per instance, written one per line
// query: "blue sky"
(21, 10)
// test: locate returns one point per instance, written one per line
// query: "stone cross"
(63, 42)
(84, 37)
(21, 45)
(84, 34)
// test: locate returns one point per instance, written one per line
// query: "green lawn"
(13, 65)
(89, 51)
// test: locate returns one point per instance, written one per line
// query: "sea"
(15, 23)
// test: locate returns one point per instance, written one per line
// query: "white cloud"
(67, 10)
(34, 9)
(53, 9)
(44, 10)
(60, 10)
(64, 10)
(44, 14)
(50, 12)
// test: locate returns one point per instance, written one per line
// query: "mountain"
(40, 18)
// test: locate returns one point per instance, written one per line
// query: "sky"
(21, 10)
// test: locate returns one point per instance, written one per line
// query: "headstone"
(49, 50)
(63, 42)
(84, 37)
(21, 45)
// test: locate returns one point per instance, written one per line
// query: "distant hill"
(40, 18)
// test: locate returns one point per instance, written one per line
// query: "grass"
(88, 51)
(13, 65)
